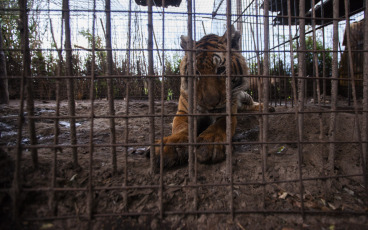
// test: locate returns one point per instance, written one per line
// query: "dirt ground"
(281, 200)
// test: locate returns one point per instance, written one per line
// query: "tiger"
(210, 92)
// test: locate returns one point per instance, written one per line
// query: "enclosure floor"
(343, 194)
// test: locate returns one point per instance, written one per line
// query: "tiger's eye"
(220, 70)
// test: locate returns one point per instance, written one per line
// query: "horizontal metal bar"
(247, 183)
(180, 144)
(143, 77)
(198, 212)
(179, 115)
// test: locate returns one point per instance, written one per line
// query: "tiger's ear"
(235, 38)
(184, 43)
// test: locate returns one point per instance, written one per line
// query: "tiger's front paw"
(210, 153)
(172, 155)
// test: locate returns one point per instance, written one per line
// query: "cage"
(93, 92)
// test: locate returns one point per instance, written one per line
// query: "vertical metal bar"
(260, 82)
(259, 85)
(295, 97)
(70, 81)
(365, 86)
(195, 131)
(4, 92)
(16, 184)
(355, 101)
(334, 87)
(265, 82)
(286, 89)
(316, 70)
(52, 204)
(92, 115)
(265, 94)
(126, 130)
(323, 54)
(151, 109)
(161, 189)
(28, 80)
(190, 91)
(229, 160)
(239, 17)
(301, 96)
(110, 87)
(293, 81)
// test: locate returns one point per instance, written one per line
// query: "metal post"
(151, 109)
(92, 115)
(190, 91)
(301, 96)
(16, 185)
(265, 82)
(4, 92)
(334, 87)
(127, 97)
(316, 70)
(52, 203)
(355, 101)
(24, 31)
(110, 87)
(229, 160)
(239, 23)
(70, 81)
(365, 86)
(161, 189)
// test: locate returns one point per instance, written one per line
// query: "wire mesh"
(94, 87)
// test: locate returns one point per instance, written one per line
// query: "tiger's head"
(210, 67)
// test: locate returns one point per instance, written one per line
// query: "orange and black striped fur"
(210, 92)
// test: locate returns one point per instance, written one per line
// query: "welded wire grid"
(144, 39)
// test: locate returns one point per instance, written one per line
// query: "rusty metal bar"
(161, 182)
(175, 76)
(334, 93)
(24, 32)
(260, 94)
(191, 57)
(70, 82)
(92, 114)
(193, 144)
(353, 84)
(4, 91)
(130, 187)
(15, 190)
(110, 87)
(192, 120)
(301, 97)
(151, 109)
(217, 212)
(52, 203)
(265, 95)
(316, 70)
(229, 123)
(323, 54)
(265, 88)
(195, 124)
(127, 98)
(195, 114)
(365, 85)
